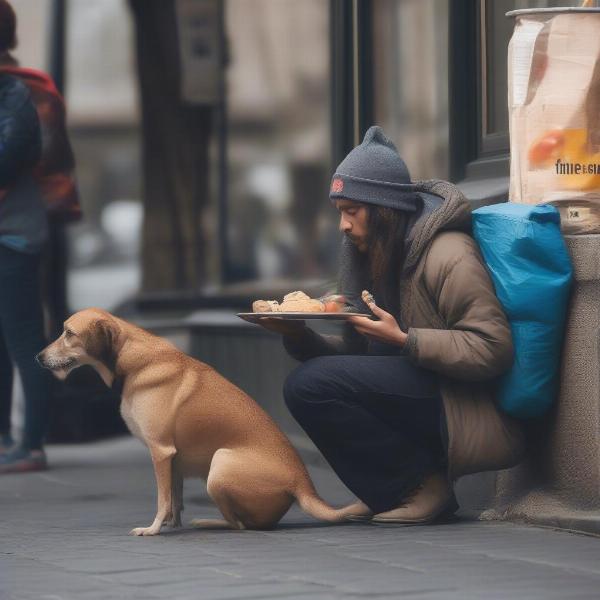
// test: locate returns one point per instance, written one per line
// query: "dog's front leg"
(162, 459)
(176, 496)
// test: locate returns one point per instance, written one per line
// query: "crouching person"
(402, 405)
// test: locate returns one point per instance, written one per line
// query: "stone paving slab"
(63, 536)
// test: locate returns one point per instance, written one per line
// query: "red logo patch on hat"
(337, 185)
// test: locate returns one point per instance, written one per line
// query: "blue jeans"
(21, 338)
(378, 421)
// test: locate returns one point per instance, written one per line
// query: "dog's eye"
(68, 333)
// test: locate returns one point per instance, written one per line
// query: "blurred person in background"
(42, 187)
(403, 405)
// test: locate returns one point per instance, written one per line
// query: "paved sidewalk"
(63, 536)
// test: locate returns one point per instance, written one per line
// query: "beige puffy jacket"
(456, 328)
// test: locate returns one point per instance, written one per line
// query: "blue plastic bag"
(531, 269)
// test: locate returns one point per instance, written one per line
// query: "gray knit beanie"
(374, 173)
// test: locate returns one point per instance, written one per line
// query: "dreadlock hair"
(386, 238)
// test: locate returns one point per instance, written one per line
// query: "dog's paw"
(144, 531)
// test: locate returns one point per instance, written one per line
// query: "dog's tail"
(311, 503)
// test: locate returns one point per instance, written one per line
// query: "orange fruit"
(332, 306)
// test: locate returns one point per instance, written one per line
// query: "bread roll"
(292, 302)
(308, 306)
(266, 306)
(296, 296)
(301, 302)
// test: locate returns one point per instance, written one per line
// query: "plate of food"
(299, 306)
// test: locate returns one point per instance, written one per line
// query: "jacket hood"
(452, 213)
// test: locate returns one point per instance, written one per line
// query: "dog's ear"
(103, 342)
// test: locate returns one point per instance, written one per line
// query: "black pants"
(21, 338)
(378, 421)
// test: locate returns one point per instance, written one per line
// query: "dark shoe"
(433, 500)
(359, 518)
(21, 460)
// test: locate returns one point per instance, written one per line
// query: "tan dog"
(195, 423)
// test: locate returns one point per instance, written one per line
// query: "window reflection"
(410, 56)
(102, 110)
(280, 221)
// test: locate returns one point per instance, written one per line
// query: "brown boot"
(362, 513)
(434, 498)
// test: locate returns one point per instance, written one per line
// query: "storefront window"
(280, 222)
(410, 56)
(103, 119)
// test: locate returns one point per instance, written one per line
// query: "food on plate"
(367, 297)
(266, 306)
(332, 306)
(300, 302)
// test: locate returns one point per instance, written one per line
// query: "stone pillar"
(559, 483)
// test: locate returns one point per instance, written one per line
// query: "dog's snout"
(39, 359)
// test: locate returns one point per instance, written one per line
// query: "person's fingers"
(359, 320)
(366, 330)
(372, 323)
(370, 302)
(374, 328)
(363, 326)
(378, 312)
(364, 322)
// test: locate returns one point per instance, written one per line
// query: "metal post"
(463, 79)
(342, 78)
(363, 68)
(222, 132)
(57, 44)
(351, 42)
(56, 275)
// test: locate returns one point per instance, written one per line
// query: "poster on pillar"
(554, 108)
(199, 27)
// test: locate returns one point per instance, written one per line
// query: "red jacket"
(55, 172)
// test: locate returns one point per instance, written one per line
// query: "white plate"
(339, 316)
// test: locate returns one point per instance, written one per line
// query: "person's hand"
(385, 330)
(283, 326)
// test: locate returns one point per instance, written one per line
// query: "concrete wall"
(559, 483)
